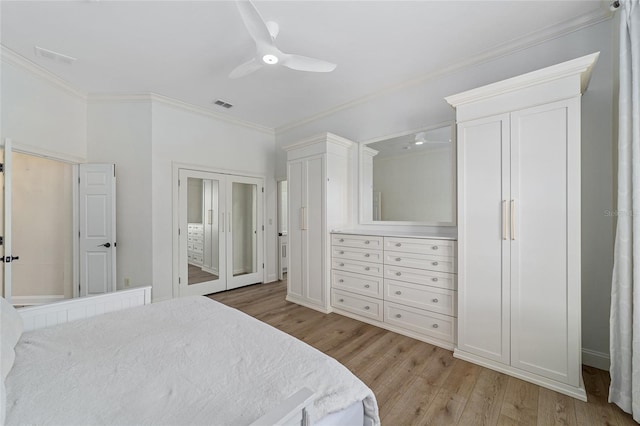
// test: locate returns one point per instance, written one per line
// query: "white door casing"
(7, 220)
(97, 222)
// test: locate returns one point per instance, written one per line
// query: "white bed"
(183, 361)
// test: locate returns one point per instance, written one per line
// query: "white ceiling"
(186, 49)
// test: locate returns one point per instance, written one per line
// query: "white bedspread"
(184, 361)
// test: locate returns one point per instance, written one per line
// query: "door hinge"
(178, 182)
(263, 189)
(78, 180)
(179, 280)
(263, 266)
(1, 167)
(178, 231)
(1, 241)
(263, 227)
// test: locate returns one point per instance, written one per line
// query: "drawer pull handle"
(366, 268)
(398, 316)
(398, 259)
(434, 263)
(367, 242)
(398, 292)
(435, 325)
(398, 273)
(434, 248)
(398, 245)
(366, 308)
(341, 252)
(340, 280)
(342, 264)
(342, 240)
(367, 286)
(367, 255)
(435, 280)
(435, 300)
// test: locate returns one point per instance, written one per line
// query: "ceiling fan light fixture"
(270, 59)
(419, 142)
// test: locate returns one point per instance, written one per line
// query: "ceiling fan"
(421, 139)
(267, 53)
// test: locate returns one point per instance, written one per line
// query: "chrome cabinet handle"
(398, 273)
(398, 259)
(513, 219)
(504, 219)
(435, 300)
(398, 292)
(398, 245)
(342, 264)
(366, 242)
(434, 248)
(366, 268)
(434, 263)
(435, 325)
(342, 240)
(367, 255)
(366, 308)
(398, 316)
(340, 281)
(435, 280)
(341, 300)
(341, 252)
(367, 286)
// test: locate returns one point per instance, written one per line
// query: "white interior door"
(97, 224)
(244, 231)
(6, 254)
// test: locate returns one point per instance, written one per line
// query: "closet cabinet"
(319, 201)
(519, 225)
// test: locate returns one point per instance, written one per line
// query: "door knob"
(107, 245)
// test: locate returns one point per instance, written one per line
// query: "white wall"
(181, 136)
(120, 133)
(40, 116)
(423, 104)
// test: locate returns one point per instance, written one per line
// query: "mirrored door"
(220, 235)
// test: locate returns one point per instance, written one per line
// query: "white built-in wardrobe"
(519, 225)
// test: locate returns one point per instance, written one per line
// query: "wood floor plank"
(556, 409)
(485, 402)
(520, 403)
(417, 383)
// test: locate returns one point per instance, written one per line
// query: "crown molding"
(515, 45)
(324, 138)
(10, 57)
(166, 100)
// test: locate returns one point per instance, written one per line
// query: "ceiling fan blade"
(245, 69)
(304, 63)
(253, 21)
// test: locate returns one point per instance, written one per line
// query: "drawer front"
(357, 283)
(364, 255)
(421, 276)
(358, 267)
(428, 323)
(197, 248)
(357, 304)
(422, 261)
(420, 245)
(189, 246)
(420, 296)
(362, 241)
(196, 258)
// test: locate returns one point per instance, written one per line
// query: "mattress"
(184, 361)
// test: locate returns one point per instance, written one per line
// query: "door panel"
(315, 231)
(296, 195)
(483, 158)
(97, 229)
(539, 246)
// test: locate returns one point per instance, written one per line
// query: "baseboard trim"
(596, 359)
(271, 278)
(306, 304)
(36, 300)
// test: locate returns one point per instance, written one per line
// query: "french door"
(220, 231)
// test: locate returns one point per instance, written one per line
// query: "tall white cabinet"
(519, 225)
(318, 182)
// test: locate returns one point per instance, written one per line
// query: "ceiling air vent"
(54, 56)
(222, 103)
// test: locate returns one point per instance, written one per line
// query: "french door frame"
(176, 246)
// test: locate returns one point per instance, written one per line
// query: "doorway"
(222, 247)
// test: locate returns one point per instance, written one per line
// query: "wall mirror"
(409, 179)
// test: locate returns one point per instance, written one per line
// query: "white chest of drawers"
(404, 284)
(195, 243)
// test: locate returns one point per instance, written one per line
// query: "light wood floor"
(419, 384)
(197, 275)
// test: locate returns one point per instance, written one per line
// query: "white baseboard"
(36, 300)
(271, 278)
(596, 359)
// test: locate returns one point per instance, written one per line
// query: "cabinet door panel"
(315, 290)
(295, 182)
(539, 247)
(483, 271)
